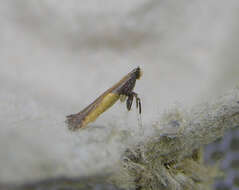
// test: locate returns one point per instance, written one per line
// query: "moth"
(121, 90)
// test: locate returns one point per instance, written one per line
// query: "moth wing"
(75, 121)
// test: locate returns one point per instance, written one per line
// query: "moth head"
(138, 72)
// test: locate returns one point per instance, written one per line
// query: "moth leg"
(138, 101)
(123, 98)
(129, 101)
(139, 104)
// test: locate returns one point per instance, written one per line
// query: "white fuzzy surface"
(57, 57)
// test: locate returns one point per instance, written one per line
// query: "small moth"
(121, 90)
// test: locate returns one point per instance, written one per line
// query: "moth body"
(121, 90)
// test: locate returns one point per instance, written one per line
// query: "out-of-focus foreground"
(56, 57)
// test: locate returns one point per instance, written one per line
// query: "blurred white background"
(56, 57)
